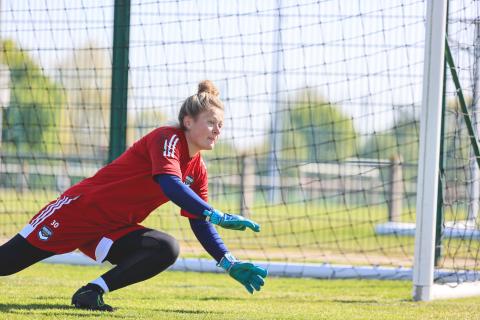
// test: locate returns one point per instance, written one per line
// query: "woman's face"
(202, 133)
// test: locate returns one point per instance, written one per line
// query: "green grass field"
(44, 290)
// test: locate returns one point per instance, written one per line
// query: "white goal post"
(424, 288)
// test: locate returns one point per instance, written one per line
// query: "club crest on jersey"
(45, 233)
(188, 181)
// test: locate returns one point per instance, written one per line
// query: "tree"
(457, 139)
(141, 122)
(458, 149)
(401, 139)
(31, 116)
(86, 75)
(316, 130)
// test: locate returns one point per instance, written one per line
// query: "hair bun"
(208, 87)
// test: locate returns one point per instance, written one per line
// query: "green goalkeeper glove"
(248, 274)
(230, 221)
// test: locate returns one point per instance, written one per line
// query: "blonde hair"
(206, 98)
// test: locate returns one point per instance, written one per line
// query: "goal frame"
(424, 288)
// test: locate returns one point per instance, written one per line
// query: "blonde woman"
(101, 215)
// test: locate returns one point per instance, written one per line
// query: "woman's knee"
(166, 246)
(170, 250)
(175, 250)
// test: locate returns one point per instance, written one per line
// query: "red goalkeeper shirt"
(125, 191)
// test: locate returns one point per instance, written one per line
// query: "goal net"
(320, 145)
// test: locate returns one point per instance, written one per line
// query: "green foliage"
(401, 139)
(458, 150)
(223, 149)
(35, 100)
(144, 121)
(223, 160)
(315, 130)
(457, 139)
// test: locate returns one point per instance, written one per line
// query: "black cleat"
(90, 299)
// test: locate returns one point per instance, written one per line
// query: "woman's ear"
(187, 122)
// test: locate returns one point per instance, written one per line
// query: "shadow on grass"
(217, 298)
(185, 311)
(356, 301)
(53, 310)
(6, 307)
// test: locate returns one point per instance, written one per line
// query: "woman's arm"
(188, 200)
(208, 236)
(185, 198)
(181, 195)
(248, 274)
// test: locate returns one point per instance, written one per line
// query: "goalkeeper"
(101, 215)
